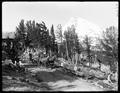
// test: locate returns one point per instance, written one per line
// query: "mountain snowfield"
(84, 27)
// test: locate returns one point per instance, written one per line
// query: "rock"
(8, 77)
(101, 83)
(61, 64)
(27, 80)
(114, 77)
(75, 68)
(22, 79)
(14, 78)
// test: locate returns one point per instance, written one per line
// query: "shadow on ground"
(54, 76)
(39, 82)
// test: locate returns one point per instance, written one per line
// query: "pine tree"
(52, 33)
(60, 38)
(59, 33)
(110, 45)
(52, 39)
(72, 43)
(87, 41)
(20, 31)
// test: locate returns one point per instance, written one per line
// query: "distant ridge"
(6, 34)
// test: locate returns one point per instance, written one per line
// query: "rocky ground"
(47, 79)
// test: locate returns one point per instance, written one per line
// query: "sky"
(103, 14)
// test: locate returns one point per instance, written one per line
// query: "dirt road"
(77, 85)
(58, 80)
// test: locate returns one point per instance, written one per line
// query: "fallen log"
(83, 71)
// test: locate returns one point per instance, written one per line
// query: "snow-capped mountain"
(84, 27)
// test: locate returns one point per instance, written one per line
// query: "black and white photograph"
(60, 46)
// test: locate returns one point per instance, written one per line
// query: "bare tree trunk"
(61, 54)
(67, 51)
(89, 60)
(62, 44)
(50, 52)
(76, 58)
(99, 65)
(73, 58)
(59, 50)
